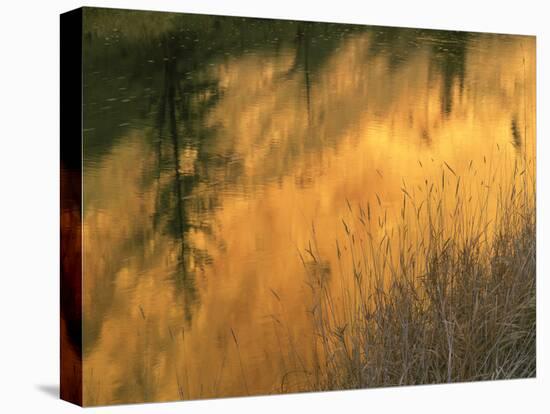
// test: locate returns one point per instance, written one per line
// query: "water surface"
(217, 149)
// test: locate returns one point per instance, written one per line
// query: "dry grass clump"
(445, 295)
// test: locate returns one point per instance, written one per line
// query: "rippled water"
(216, 149)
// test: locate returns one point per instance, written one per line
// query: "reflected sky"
(216, 149)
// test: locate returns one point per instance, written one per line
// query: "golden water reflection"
(193, 227)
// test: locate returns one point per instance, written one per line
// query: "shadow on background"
(51, 390)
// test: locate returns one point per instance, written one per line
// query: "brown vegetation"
(447, 295)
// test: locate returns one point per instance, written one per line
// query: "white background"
(29, 191)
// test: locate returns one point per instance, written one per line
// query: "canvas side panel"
(71, 206)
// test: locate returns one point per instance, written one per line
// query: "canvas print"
(256, 206)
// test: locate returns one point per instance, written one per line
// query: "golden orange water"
(220, 308)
